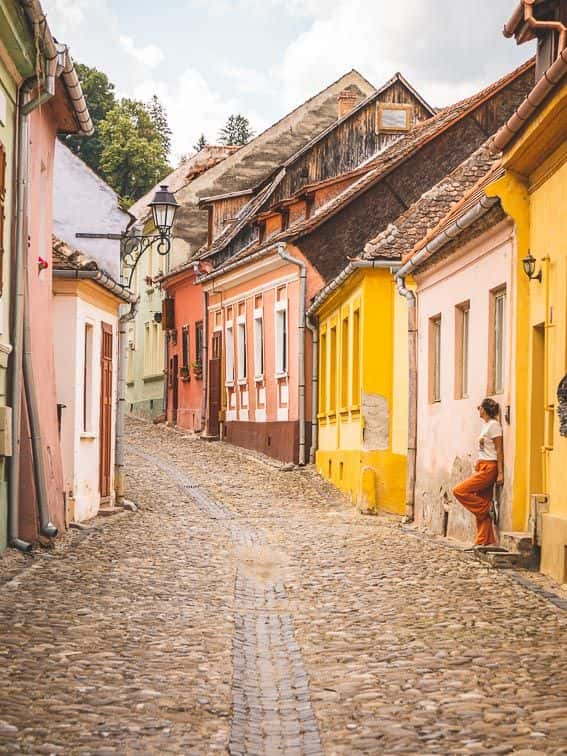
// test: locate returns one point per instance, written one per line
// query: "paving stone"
(255, 611)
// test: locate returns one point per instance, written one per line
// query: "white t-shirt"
(486, 446)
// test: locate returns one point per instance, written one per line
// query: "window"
(241, 342)
(281, 337)
(258, 343)
(323, 372)
(435, 359)
(356, 357)
(393, 117)
(199, 341)
(462, 313)
(229, 353)
(185, 347)
(88, 379)
(497, 341)
(333, 370)
(344, 362)
(153, 348)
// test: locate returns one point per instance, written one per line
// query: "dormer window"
(393, 117)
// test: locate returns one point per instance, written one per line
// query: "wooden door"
(105, 410)
(215, 384)
(174, 388)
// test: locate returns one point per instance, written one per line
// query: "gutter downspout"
(119, 483)
(301, 347)
(483, 206)
(535, 24)
(17, 325)
(412, 395)
(313, 326)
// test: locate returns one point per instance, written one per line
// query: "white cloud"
(248, 80)
(193, 108)
(149, 55)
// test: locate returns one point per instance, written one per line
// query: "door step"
(517, 550)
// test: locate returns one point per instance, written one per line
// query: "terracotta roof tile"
(470, 197)
(409, 228)
(67, 258)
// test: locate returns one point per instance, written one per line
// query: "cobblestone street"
(252, 610)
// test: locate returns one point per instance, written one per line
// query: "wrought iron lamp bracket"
(134, 246)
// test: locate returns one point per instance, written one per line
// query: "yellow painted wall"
(534, 193)
(363, 404)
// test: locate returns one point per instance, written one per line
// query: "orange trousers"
(475, 494)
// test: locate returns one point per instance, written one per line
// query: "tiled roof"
(409, 228)
(398, 152)
(186, 171)
(250, 209)
(468, 199)
(389, 159)
(68, 258)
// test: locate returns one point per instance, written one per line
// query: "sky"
(206, 59)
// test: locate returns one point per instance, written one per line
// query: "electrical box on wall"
(5, 431)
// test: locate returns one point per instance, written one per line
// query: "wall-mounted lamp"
(529, 263)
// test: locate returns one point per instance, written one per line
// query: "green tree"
(99, 94)
(236, 131)
(158, 114)
(134, 155)
(200, 143)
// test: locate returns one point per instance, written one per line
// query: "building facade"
(534, 193)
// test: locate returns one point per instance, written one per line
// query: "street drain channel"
(271, 703)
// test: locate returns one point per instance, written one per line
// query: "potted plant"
(184, 373)
(197, 368)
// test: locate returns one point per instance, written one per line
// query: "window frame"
(281, 327)
(229, 354)
(258, 343)
(434, 350)
(497, 341)
(462, 349)
(241, 349)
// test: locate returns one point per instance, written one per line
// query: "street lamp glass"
(529, 263)
(164, 206)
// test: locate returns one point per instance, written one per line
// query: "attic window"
(393, 117)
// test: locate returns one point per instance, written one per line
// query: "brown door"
(215, 385)
(105, 410)
(174, 377)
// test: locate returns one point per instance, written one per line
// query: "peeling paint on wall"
(376, 414)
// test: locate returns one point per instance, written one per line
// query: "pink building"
(56, 106)
(462, 271)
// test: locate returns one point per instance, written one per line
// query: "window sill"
(152, 378)
(283, 374)
(243, 381)
(229, 384)
(86, 436)
(259, 378)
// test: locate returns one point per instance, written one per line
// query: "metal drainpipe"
(119, 486)
(412, 397)
(46, 91)
(314, 328)
(301, 348)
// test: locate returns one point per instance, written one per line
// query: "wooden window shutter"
(167, 314)
(2, 212)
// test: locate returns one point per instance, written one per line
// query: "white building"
(87, 301)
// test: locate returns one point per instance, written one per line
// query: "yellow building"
(362, 420)
(534, 193)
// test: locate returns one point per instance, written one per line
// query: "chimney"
(347, 100)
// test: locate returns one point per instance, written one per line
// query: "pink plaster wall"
(42, 147)
(448, 430)
(188, 310)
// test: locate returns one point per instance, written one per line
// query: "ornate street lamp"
(164, 208)
(529, 263)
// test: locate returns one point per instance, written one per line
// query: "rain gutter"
(517, 121)
(101, 278)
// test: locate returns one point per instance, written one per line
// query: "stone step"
(517, 541)
(500, 560)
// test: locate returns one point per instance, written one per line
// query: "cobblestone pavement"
(253, 610)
